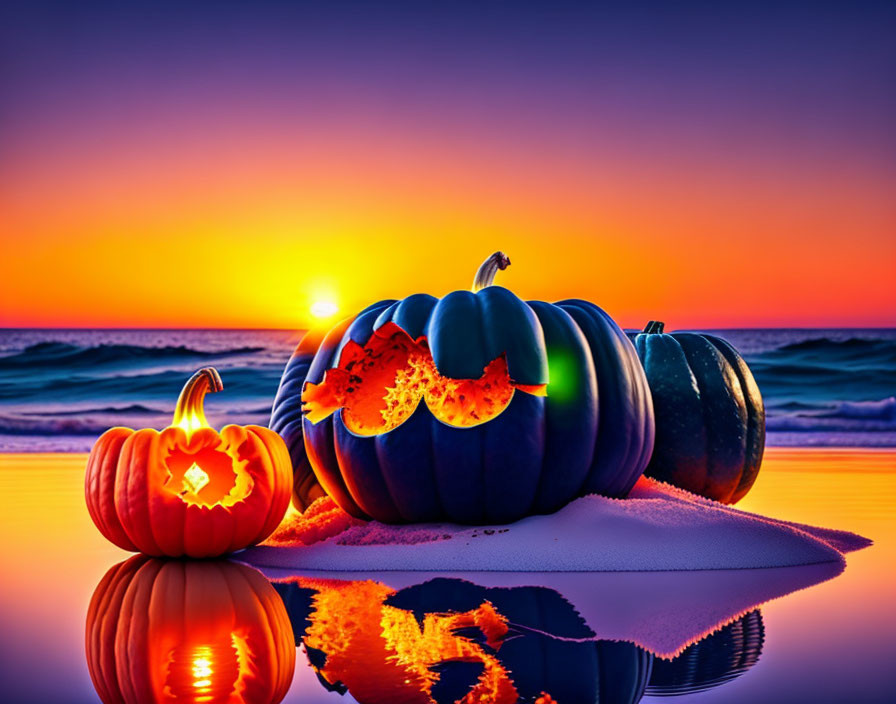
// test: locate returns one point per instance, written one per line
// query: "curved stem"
(654, 327)
(189, 413)
(485, 276)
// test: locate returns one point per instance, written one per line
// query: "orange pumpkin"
(189, 489)
(169, 630)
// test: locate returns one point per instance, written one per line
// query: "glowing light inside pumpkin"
(380, 385)
(324, 309)
(195, 478)
(213, 476)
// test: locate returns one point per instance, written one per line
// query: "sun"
(324, 309)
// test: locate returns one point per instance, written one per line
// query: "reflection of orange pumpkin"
(168, 631)
(189, 489)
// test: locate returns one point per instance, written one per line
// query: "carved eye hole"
(379, 386)
(208, 477)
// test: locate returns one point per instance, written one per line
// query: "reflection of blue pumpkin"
(554, 651)
(710, 418)
(715, 660)
(591, 433)
(548, 648)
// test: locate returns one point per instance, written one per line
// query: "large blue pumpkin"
(710, 418)
(524, 406)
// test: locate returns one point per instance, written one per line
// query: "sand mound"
(657, 528)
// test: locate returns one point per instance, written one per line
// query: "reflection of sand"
(663, 612)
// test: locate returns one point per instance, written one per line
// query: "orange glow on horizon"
(112, 234)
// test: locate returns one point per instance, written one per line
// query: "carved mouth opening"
(379, 386)
(207, 477)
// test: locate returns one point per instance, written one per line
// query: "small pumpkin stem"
(485, 276)
(654, 327)
(189, 413)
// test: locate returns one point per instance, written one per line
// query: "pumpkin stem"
(485, 276)
(189, 413)
(654, 327)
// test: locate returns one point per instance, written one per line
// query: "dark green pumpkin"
(710, 418)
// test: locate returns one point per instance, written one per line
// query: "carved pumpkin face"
(189, 489)
(168, 631)
(379, 386)
(451, 640)
(478, 407)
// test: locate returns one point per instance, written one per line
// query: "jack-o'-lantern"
(184, 631)
(449, 640)
(478, 407)
(189, 489)
(710, 418)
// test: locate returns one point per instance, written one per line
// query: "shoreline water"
(830, 642)
(770, 452)
(60, 389)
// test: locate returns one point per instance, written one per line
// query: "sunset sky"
(231, 164)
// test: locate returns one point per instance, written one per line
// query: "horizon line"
(299, 329)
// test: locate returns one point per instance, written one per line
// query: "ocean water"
(60, 389)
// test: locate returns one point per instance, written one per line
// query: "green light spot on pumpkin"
(564, 376)
(195, 478)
